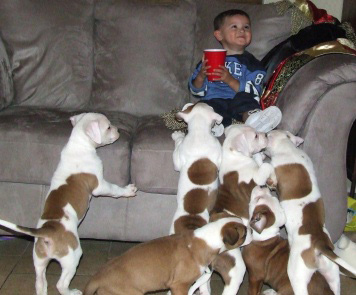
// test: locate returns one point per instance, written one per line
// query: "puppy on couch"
(239, 174)
(173, 262)
(78, 176)
(197, 157)
(298, 192)
(266, 257)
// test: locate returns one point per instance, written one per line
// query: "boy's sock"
(266, 120)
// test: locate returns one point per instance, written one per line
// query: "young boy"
(236, 93)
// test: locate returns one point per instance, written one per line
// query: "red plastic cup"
(214, 58)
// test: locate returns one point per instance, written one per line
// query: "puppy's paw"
(177, 135)
(130, 191)
(269, 292)
(75, 292)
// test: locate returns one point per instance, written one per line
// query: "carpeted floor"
(17, 272)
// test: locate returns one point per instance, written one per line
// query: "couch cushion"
(268, 28)
(152, 162)
(6, 84)
(32, 140)
(50, 49)
(143, 54)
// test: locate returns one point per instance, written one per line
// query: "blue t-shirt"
(243, 67)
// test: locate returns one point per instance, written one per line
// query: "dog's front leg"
(112, 190)
(178, 137)
(264, 172)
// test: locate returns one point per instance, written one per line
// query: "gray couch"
(131, 59)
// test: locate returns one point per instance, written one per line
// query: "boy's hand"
(199, 80)
(204, 69)
(226, 77)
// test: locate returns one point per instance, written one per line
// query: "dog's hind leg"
(299, 274)
(330, 271)
(40, 268)
(69, 265)
(231, 267)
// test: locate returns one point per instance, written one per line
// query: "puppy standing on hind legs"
(79, 175)
(197, 157)
(311, 247)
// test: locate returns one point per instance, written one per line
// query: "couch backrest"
(50, 48)
(143, 55)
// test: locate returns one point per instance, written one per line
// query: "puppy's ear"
(295, 139)
(234, 235)
(240, 144)
(258, 222)
(93, 131)
(75, 119)
(184, 114)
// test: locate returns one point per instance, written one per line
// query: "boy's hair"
(220, 18)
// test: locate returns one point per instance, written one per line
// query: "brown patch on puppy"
(196, 201)
(186, 111)
(233, 234)
(313, 222)
(215, 216)
(75, 192)
(57, 240)
(169, 262)
(222, 264)
(267, 261)
(203, 172)
(188, 222)
(262, 213)
(293, 182)
(233, 196)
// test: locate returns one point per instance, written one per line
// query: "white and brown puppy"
(311, 247)
(197, 157)
(239, 174)
(266, 257)
(173, 262)
(78, 176)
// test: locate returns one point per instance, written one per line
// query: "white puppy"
(78, 176)
(239, 174)
(311, 247)
(197, 157)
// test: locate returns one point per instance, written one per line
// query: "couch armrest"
(319, 104)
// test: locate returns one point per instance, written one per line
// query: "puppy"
(311, 247)
(78, 176)
(266, 257)
(239, 174)
(197, 157)
(173, 262)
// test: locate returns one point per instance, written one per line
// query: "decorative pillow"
(6, 86)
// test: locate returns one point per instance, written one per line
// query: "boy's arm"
(227, 78)
(197, 83)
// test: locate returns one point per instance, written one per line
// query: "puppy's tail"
(91, 287)
(344, 267)
(34, 232)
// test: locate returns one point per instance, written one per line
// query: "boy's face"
(235, 34)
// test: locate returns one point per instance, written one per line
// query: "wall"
(333, 7)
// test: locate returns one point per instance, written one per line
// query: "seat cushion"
(50, 46)
(152, 167)
(32, 140)
(143, 53)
